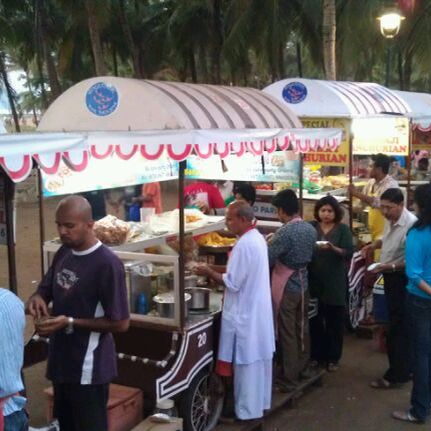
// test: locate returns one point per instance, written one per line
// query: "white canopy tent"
(318, 98)
(420, 108)
(119, 117)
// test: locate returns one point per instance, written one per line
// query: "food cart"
(104, 120)
(373, 119)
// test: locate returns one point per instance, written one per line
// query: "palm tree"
(329, 28)
(11, 95)
(93, 7)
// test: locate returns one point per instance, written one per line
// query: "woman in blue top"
(418, 270)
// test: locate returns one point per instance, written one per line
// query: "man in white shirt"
(398, 222)
(247, 331)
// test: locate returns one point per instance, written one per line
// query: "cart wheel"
(202, 403)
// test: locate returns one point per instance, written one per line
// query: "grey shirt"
(394, 238)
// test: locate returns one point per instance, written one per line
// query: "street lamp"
(390, 24)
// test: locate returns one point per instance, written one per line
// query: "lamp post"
(390, 24)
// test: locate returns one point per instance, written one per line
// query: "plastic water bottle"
(141, 304)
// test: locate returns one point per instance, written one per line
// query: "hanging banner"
(337, 157)
(280, 166)
(108, 173)
(387, 135)
(3, 234)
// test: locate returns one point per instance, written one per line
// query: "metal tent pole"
(182, 167)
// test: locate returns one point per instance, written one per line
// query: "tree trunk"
(33, 99)
(408, 70)
(41, 80)
(114, 61)
(54, 83)
(217, 41)
(96, 43)
(192, 63)
(133, 48)
(329, 39)
(9, 91)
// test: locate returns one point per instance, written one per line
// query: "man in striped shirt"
(12, 324)
(86, 285)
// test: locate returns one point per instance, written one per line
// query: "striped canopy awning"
(318, 98)
(420, 107)
(127, 118)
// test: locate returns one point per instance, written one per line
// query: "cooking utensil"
(165, 304)
(190, 280)
(200, 298)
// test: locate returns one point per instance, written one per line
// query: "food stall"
(372, 117)
(98, 126)
(420, 138)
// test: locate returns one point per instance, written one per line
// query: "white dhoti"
(252, 389)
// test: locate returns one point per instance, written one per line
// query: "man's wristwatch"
(69, 327)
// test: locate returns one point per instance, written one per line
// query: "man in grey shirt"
(398, 221)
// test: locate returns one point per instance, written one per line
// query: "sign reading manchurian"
(339, 157)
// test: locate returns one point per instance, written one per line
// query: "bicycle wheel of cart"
(202, 403)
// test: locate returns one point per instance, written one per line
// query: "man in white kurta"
(247, 329)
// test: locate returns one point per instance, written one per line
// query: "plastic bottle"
(166, 406)
(141, 304)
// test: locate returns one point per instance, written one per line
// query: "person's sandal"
(384, 384)
(406, 416)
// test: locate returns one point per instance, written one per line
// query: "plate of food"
(373, 266)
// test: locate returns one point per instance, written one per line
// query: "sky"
(17, 84)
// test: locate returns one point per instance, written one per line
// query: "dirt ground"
(344, 402)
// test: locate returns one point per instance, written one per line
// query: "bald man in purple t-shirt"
(86, 285)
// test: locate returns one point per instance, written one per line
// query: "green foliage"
(243, 42)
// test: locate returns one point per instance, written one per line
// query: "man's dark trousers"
(397, 339)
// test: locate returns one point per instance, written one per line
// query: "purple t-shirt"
(84, 286)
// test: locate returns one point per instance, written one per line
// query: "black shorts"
(81, 407)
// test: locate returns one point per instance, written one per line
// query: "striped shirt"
(12, 325)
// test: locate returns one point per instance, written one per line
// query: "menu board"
(387, 135)
(108, 173)
(279, 166)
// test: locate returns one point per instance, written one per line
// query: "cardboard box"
(125, 407)
(147, 425)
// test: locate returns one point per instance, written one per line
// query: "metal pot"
(165, 304)
(200, 298)
(190, 280)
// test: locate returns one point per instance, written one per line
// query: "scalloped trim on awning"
(76, 149)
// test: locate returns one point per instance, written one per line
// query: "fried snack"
(214, 239)
(191, 218)
(111, 230)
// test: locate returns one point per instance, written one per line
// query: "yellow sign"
(339, 157)
(387, 135)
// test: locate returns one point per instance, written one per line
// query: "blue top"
(418, 260)
(12, 324)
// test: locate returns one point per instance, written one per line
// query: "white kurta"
(247, 328)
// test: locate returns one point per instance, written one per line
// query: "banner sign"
(337, 157)
(280, 166)
(108, 173)
(387, 135)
